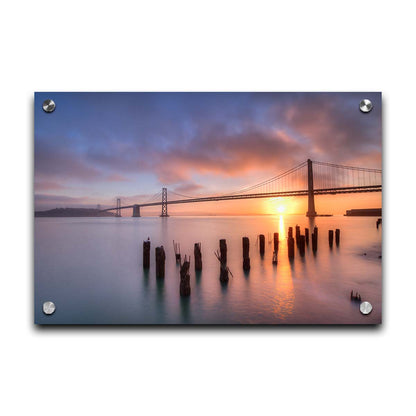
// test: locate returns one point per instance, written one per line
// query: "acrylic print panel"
(207, 208)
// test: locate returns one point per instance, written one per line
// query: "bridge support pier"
(164, 203)
(118, 209)
(136, 210)
(311, 199)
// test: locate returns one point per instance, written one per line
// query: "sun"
(279, 206)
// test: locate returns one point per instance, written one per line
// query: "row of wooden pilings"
(185, 279)
(301, 241)
(331, 237)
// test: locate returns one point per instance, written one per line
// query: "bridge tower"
(164, 202)
(311, 199)
(118, 209)
(136, 210)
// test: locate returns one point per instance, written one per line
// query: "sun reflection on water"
(282, 231)
(284, 300)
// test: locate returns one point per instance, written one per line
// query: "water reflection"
(224, 286)
(160, 288)
(284, 299)
(185, 308)
(198, 274)
(282, 228)
(146, 278)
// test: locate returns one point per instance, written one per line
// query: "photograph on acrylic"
(207, 208)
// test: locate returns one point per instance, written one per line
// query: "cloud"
(188, 187)
(334, 129)
(182, 139)
(48, 186)
(117, 178)
(217, 152)
(64, 163)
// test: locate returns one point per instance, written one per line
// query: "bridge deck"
(327, 191)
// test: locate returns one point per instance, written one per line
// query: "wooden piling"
(314, 242)
(291, 247)
(276, 242)
(223, 261)
(146, 254)
(261, 244)
(246, 254)
(290, 232)
(224, 278)
(307, 236)
(302, 245)
(198, 256)
(331, 237)
(177, 249)
(315, 230)
(185, 284)
(223, 250)
(337, 236)
(297, 234)
(160, 261)
(224, 270)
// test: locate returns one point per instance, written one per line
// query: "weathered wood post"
(276, 242)
(223, 250)
(297, 234)
(177, 249)
(223, 268)
(290, 232)
(146, 254)
(314, 242)
(275, 247)
(302, 245)
(198, 256)
(307, 235)
(160, 261)
(224, 274)
(331, 237)
(261, 243)
(185, 284)
(315, 230)
(246, 254)
(223, 261)
(291, 247)
(337, 235)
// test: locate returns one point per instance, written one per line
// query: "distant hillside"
(73, 212)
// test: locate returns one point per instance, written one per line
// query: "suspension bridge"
(309, 178)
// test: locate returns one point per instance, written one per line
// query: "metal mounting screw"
(48, 106)
(366, 105)
(366, 308)
(48, 308)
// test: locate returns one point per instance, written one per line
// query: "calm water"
(91, 268)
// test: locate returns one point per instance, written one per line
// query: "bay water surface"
(91, 268)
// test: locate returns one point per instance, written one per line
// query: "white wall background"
(211, 45)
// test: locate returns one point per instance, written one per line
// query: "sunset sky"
(98, 146)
